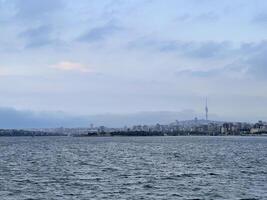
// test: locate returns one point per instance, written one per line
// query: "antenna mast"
(207, 109)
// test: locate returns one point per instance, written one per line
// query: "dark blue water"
(133, 168)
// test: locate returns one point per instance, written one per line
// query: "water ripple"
(133, 168)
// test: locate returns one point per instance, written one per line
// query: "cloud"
(208, 49)
(203, 17)
(36, 10)
(207, 17)
(191, 49)
(38, 37)
(198, 73)
(234, 61)
(258, 65)
(4, 72)
(260, 18)
(252, 56)
(12, 118)
(71, 66)
(246, 60)
(149, 118)
(184, 17)
(100, 33)
(197, 44)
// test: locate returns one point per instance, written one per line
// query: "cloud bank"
(147, 55)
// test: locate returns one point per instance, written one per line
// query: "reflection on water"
(133, 168)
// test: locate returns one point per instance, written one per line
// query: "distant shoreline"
(120, 136)
(161, 134)
(26, 133)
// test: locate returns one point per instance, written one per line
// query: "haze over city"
(118, 62)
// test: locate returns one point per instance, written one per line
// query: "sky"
(128, 57)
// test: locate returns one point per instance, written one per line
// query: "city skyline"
(72, 61)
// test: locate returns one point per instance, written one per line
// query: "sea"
(183, 167)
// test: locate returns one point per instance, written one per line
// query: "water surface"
(133, 168)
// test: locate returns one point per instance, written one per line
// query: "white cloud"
(71, 66)
(4, 71)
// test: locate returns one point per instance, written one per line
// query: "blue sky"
(129, 56)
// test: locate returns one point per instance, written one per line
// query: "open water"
(133, 168)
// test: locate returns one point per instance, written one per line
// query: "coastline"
(27, 133)
(161, 134)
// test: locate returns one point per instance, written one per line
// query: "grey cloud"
(150, 43)
(208, 17)
(253, 56)
(36, 9)
(100, 33)
(260, 18)
(200, 50)
(258, 65)
(6, 8)
(253, 47)
(249, 60)
(163, 117)
(246, 60)
(203, 17)
(184, 17)
(119, 9)
(32, 10)
(198, 73)
(32, 16)
(38, 37)
(11, 118)
(209, 49)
